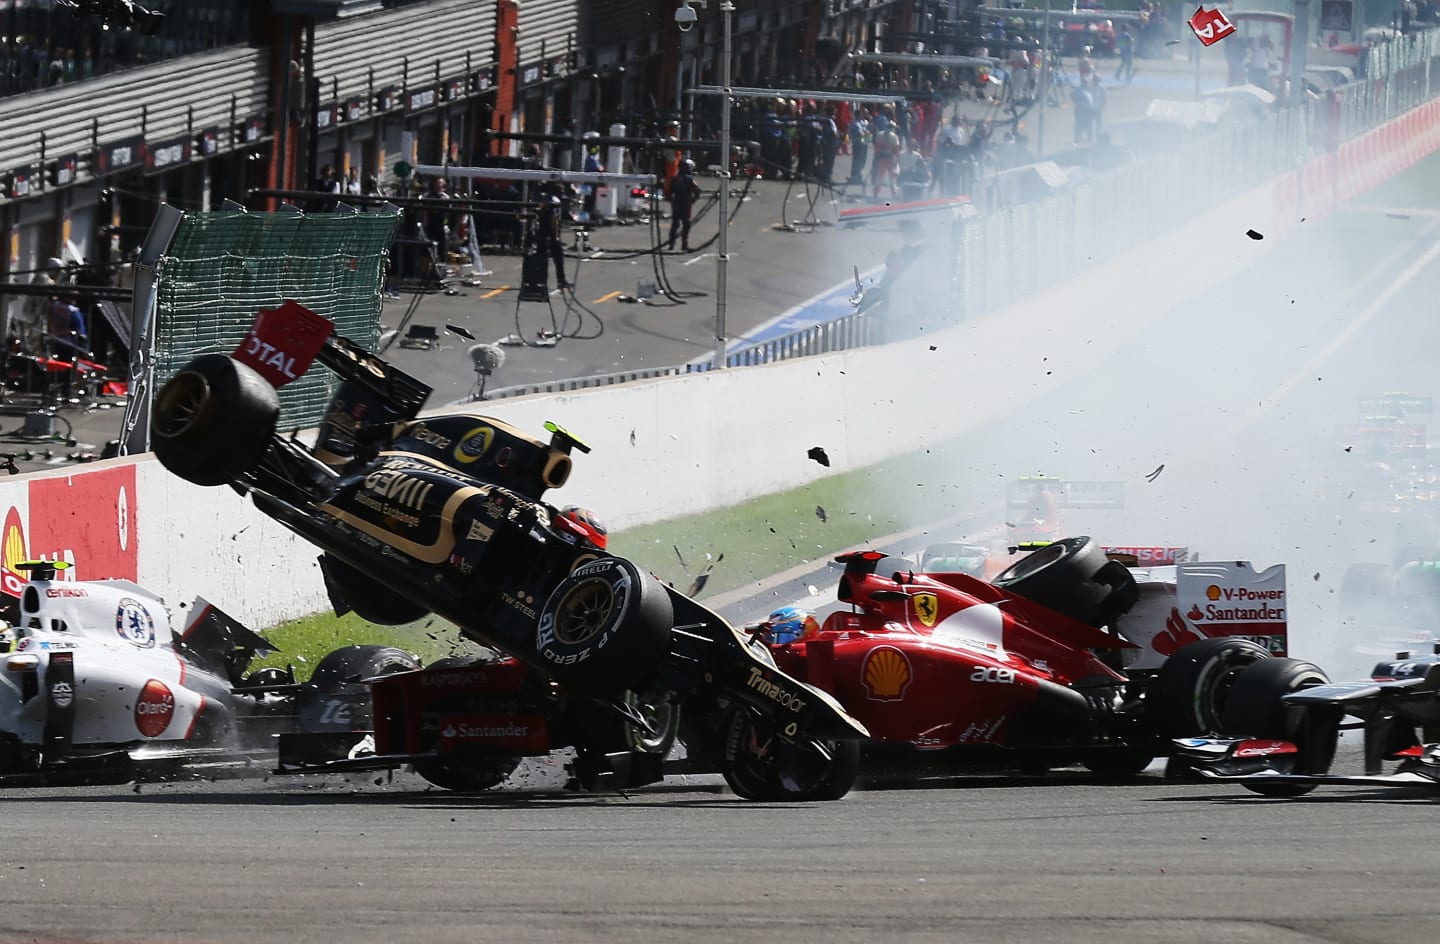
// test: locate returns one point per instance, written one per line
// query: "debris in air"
(1156, 474)
(820, 513)
(818, 454)
(1348, 448)
(632, 437)
(1253, 235)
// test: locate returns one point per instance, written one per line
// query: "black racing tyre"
(1073, 577)
(464, 771)
(762, 766)
(606, 627)
(213, 420)
(335, 697)
(1364, 587)
(371, 599)
(467, 770)
(1191, 688)
(1417, 589)
(1120, 762)
(1255, 708)
(605, 731)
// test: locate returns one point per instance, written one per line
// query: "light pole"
(685, 18)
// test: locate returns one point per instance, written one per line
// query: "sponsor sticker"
(886, 673)
(474, 444)
(134, 624)
(927, 607)
(154, 708)
(1210, 26)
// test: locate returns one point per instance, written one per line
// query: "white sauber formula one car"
(97, 685)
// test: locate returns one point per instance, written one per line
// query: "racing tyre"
(759, 765)
(466, 771)
(606, 627)
(1194, 684)
(1120, 763)
(369, 598)
(1417, 587)
(335, 698)
(1074, 578)
(1364, 588)
(1256, 708)
(606, 732)
(213, 420)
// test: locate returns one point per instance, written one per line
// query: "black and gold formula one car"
(445, 514)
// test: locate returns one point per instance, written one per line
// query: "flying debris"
(818, 454)
(820, 513)
(1156, 474)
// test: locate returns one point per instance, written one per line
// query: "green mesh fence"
(223, 267)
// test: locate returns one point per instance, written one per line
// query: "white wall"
(701, 441)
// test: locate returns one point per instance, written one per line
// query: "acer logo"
(993, 676)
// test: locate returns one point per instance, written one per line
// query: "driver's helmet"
(587, 523)
(791, 624)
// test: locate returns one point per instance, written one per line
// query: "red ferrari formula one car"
(1044, 666)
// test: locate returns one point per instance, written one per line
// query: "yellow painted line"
(608, 297)
(495, 291)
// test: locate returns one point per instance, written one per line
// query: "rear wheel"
(606, 627)
(467, 770)
(1120, 762)
(759, 765)
(1256, 708)
(1073, 577)
(213, 420)
(1365, 588)
(1194, 684)
(336, 699)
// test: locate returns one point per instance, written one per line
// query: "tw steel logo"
(154, 709)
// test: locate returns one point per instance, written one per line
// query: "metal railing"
(1015, 250)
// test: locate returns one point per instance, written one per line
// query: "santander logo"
(154, 709)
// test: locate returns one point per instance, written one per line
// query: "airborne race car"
(445, 515)
(1063, 658)
(98, 685)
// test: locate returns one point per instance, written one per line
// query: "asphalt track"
(977, 860)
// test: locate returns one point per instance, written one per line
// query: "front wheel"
(760, 765)
(213, 420)
(606, 627)
(1194, 684)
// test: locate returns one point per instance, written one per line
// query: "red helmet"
(585, 524)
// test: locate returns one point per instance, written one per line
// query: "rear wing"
(1071, 494)
(283, 342)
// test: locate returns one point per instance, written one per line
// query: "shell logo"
(886, 674)
(927, 607)
(12, 553)
(1212, 593)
